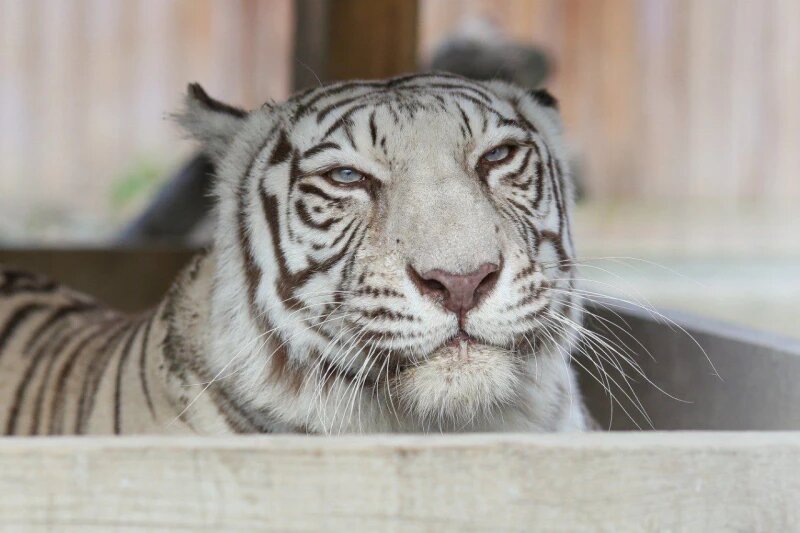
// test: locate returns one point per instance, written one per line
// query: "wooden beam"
(128, 279)
(354, 39)
(609, 482)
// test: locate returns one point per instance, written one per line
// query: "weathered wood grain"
(611, 482)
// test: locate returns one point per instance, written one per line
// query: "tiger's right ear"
(549, 105)
(213, 123)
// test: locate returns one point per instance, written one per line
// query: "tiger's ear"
(548, 103)
(544, 98)
(214, 124)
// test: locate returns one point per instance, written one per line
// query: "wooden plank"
(610, 482)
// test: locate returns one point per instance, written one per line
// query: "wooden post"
(350, 39)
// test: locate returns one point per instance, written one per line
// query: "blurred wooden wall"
(666, 99)
(85, 87)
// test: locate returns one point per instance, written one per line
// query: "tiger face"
(394, 247)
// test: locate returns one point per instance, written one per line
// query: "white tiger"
(389, 256)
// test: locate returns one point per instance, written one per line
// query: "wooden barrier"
(645, 481)
(128, 279)
(702, 374)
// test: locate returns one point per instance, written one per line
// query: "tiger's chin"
(459, 383)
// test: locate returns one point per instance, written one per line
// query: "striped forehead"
(370, 114)
(321, 99)
(374, 121)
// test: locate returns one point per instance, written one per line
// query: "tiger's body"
(70, 366)
(389, 256)
(67, 365)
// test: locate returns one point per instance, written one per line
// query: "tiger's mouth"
(462, 346)
(462, 337)
(459, 379)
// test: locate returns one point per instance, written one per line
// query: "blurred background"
(683, 118)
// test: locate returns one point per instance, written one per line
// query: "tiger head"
(393, 255)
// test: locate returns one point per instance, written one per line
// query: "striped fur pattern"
(67, 365)
(305, 315)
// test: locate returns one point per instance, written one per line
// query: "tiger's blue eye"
(498, 153)
(346, 175)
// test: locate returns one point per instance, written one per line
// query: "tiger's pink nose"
(458, 292)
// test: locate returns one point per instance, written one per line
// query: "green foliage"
(137, 183)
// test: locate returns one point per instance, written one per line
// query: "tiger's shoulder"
(70, 364)
(32, 304)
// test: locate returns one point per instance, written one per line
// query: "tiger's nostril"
(434, 286)
(426, 286)
(487, 284)
(458, 292)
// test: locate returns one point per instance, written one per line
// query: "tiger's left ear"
(211, 122)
